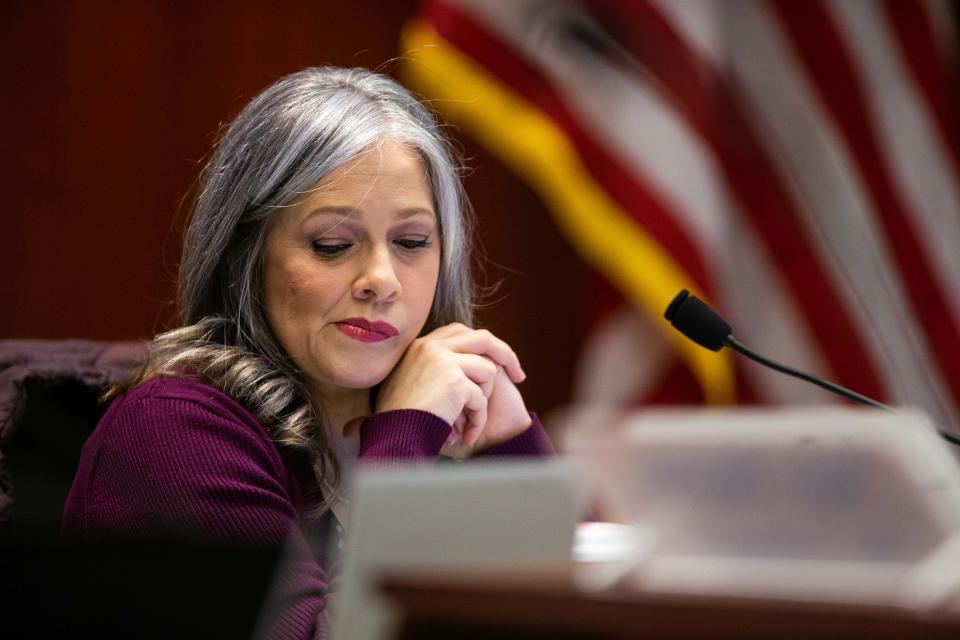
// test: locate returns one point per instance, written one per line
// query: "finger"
(460, 337)
(481, 371)
(459, 424)
(448, 330)
(457, 432)
(475, 409)
(482, 342)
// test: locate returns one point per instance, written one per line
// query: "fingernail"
(452, 438)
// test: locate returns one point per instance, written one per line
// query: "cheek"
(291, 293)
(423, 288)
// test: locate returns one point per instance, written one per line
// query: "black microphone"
(692, 317)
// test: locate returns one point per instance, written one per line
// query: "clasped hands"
(468, 378)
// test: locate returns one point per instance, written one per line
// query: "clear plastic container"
(819, 504)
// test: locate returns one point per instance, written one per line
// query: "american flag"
(796, 164)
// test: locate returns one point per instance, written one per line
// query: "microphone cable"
(694, 318)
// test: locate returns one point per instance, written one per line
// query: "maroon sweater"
(177, 457)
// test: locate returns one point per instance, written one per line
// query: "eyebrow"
(354, 211)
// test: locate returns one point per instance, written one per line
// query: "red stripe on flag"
(911, 26)
(715, 112)
(830, 68)
(500, 59)
(678, 386)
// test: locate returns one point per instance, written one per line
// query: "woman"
(326, 299)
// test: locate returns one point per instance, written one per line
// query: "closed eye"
(330, 249)
(413, 244)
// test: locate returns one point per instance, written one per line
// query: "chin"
(365, 378)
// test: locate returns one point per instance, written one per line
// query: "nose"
(377, 278)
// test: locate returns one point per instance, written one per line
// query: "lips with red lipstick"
(366, 331)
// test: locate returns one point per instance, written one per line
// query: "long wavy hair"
(287, 139)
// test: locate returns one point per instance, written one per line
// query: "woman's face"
(350, 271)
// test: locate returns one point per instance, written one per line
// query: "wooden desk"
(465, 606)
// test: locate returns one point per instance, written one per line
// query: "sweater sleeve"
(533, 441)
(412, 435)
(402, 435)
(173, 467)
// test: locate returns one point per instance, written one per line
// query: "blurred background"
(795, 163)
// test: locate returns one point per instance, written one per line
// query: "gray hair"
(287, 139)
